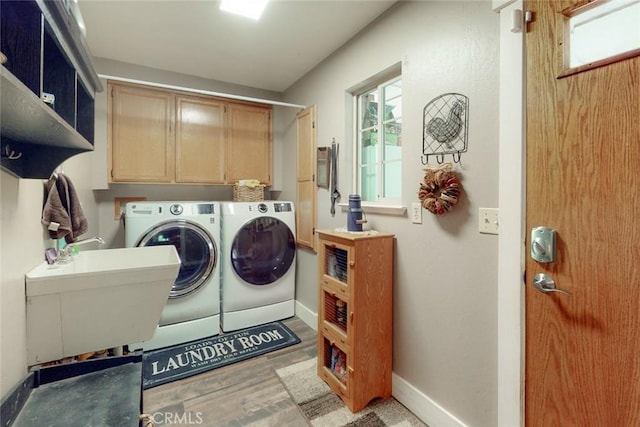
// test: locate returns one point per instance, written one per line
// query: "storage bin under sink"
(101, 299)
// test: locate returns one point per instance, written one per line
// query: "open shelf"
(45, 54)
(35, 140)
(335, 360)
(336, 263)
(335, 311)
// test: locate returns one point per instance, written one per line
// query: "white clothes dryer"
(192, 311)
(259, 262)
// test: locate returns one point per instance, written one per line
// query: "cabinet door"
(306, 194)
(140, 141)
(248, 143)
(200, 138)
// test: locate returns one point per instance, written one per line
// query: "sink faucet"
(64, 255)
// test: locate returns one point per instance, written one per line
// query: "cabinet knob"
(351, 317)
(350, 369)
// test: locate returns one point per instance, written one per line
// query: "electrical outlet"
(488, 220)
(416, 213)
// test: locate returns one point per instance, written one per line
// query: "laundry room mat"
(181, 361)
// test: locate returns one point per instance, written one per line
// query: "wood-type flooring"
(247, 393)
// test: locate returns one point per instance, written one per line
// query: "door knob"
(545, 284)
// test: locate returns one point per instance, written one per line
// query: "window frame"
(394, 204)
(563, 66)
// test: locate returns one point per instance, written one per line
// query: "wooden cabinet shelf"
(45, 55)
(355, 315)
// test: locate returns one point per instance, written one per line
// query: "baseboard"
(307, 316)
(417, 402)
(421, 405)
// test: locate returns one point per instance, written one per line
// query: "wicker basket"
(242, 193)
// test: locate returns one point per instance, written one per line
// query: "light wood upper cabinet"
(249, 152)
(200, 140)
(163, 136)
(140, 134)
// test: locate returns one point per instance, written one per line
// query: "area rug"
(322, 408)
(195, 357)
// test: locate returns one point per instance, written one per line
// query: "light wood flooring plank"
(247, 393)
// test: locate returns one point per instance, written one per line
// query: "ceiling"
(196, 38)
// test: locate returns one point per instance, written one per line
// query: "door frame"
(512, 215)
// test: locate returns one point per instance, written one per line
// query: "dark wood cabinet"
(46, 57)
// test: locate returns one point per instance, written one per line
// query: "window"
(599, 33)
(379, 142)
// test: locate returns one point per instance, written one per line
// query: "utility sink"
(101, 299)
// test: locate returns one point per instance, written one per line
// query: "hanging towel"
(62, 206)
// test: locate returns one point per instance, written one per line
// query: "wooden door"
(306, 192)
(583, 180)
(248, 143)
(140, 135)
(200, 140)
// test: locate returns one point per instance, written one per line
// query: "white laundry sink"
(101, 299)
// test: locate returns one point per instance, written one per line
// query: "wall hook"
(424, 159)
(454, 157)
(11, 154)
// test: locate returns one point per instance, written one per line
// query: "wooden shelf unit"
(355, 321)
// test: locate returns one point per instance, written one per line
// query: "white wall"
(445, 296)
(22, 243)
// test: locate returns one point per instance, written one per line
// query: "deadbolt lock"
(543, 244)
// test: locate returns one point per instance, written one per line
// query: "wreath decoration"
(440, 189)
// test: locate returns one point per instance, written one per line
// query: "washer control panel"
(282, 207)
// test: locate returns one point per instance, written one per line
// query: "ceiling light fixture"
(248, 8)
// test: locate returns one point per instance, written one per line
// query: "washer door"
(196, 249)
(263, 250)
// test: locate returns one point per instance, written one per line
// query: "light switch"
(488, 220)
(416, 213)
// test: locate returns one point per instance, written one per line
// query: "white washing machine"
(192, 311)
(258, 263)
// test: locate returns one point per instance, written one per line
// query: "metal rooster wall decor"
(445, 124)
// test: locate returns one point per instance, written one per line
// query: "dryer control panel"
(282, 207)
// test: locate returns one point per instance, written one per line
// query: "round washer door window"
(263, 250)
(195, 247)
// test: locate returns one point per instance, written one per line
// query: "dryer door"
(263, 250)
(197, 250)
